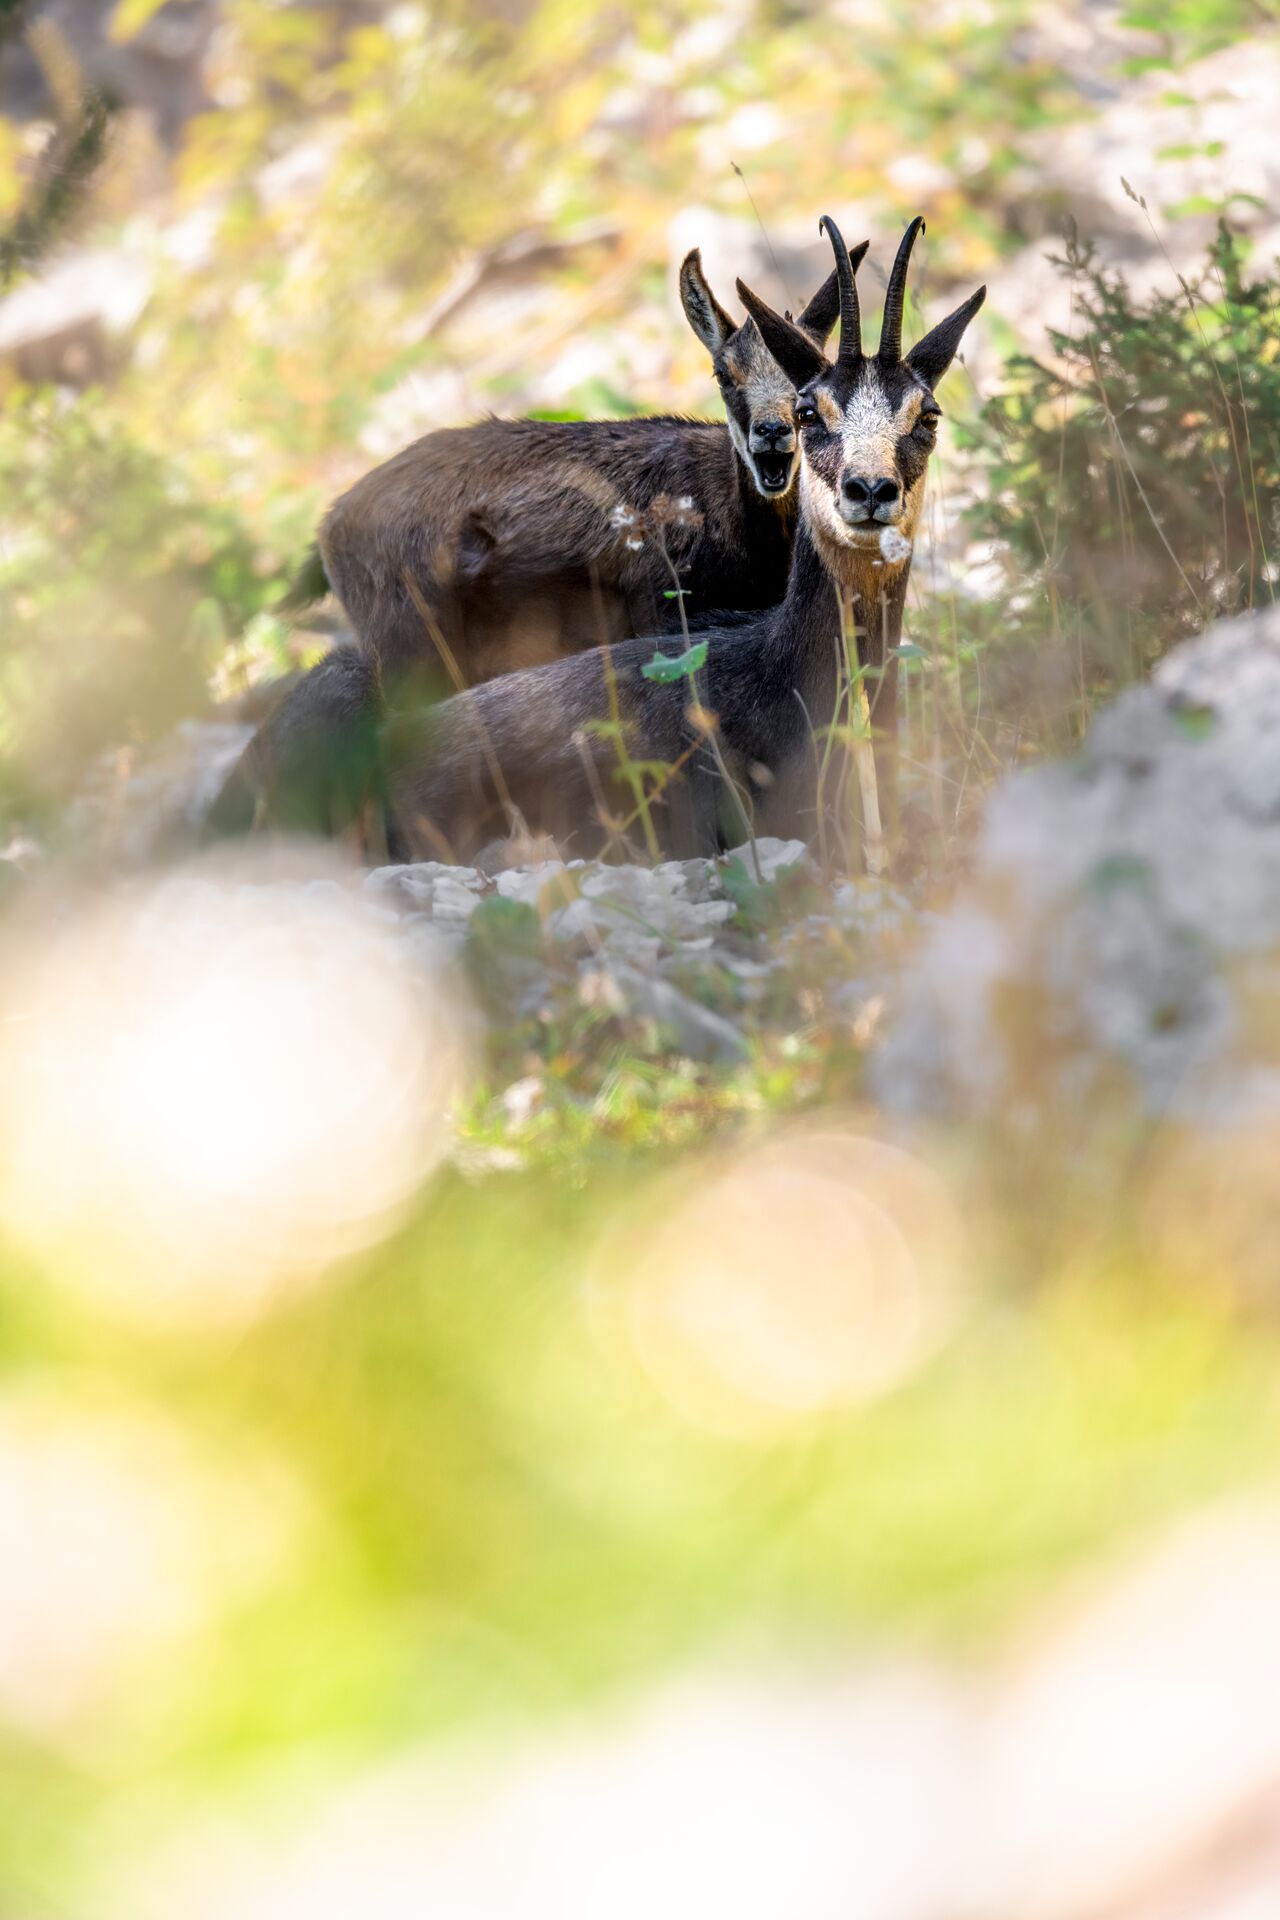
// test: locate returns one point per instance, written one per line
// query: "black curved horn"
(895, 296)
(850, 314)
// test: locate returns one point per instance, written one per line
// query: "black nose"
(776, 435)
(869, 493)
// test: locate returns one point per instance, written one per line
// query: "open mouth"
(773, 471)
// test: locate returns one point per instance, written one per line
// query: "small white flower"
(894, 546)
(685, 503)
(623, 516)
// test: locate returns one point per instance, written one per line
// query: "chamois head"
(868, 421)
(759, 398)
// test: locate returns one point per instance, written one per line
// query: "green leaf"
(666, 668)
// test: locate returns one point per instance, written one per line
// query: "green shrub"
(1135, 480)
(120, 586)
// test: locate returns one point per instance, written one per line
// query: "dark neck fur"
(807, 625)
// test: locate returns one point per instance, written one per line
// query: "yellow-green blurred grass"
(495, 1517)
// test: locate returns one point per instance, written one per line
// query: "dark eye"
(930, 414)
(806, 413)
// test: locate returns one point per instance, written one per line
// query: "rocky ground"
(1118, 931)
(703, 955)
(1121, 926)
(706, 952)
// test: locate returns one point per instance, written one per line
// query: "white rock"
(769, 856)
(1112, 901)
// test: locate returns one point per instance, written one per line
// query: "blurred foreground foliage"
(482, 1514)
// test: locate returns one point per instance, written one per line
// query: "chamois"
(479, 550)
(528, 748)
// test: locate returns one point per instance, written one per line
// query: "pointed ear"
(703, 311)
(793, 350)
(931, 356)
(823, 310)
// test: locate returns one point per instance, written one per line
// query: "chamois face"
(759, 397)
(760, 407)
(868, 431)
(868, 422)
